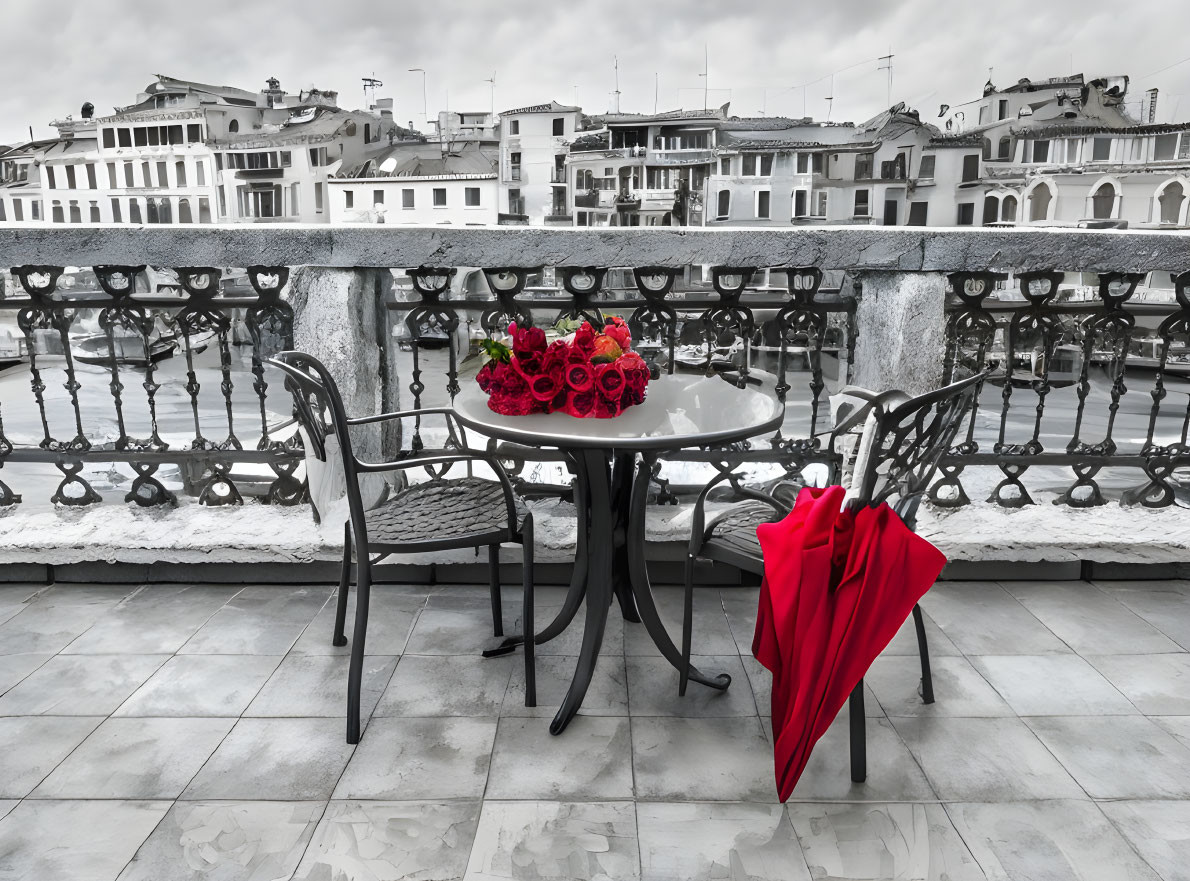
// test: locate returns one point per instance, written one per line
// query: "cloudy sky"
(765, 56)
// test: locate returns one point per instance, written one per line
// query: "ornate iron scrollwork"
(657, 320)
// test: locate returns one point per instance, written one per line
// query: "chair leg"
(355, 674)
(859, 735)
(923, 648)
(494, 590)
(527, 628)
(687, 626)
(344, 586)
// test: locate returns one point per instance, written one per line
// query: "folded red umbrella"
(837, 587)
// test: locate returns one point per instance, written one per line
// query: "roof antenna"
(830, 99)
(371, 84)
(616, 64)
(886, 64)
(492, 80)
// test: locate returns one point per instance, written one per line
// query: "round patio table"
(612, 460)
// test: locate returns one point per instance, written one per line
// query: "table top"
(678, 411)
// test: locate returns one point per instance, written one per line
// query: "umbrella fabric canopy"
(837, 587)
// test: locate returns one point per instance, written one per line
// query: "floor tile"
(1164, 604)
(454, 631)
(702, 760)
(1047, 840)
(1178, 726)
(1088, 620)
(57, 616)
(14, 668)
(893, 775)
(154, 619)
(607, 695)
(881, 842)
(30, 748)
(959, 690)
(409, 840)
(15, 597)
(1052, 685)
(591, 759)
(316, 685)
(264, 620)
(707, 842)
(452, 685)
(420, 759)
(226, 841)
(985, 759)
(202, 685)
(653, 688)
(905, 640)
(570, 641)
(555, 841)
(391, 613)
(1117, 756)
(74, 840)
(6, 806)
(69, 685)
(710, 632)
(741, 619)
(1160, 832)
(275, 759)
(981, 618)
(136, 758)
(761, 681)
(1159, 685)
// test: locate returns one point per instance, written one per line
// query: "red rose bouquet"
(589, 374)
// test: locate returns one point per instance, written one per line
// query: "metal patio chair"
(894, 461)
(438, 514)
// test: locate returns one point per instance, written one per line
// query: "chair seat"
(731, 537)
(464, 512)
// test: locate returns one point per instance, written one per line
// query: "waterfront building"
(420, 184)
(534, 144)
(20, 182)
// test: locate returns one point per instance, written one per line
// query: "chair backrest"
(907, 439)
(318, 408)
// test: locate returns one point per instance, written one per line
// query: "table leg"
(642, 591)
(595, 475)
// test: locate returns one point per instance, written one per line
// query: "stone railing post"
(339, 319)
(901, 334)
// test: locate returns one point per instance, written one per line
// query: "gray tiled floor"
(166, 732)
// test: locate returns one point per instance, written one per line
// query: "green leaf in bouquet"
(565, 326)
(496, 350)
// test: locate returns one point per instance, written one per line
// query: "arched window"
(204, 210)
(180, 173)
(1008, 209)
(1103, 201)
(233, 126)
(184, 215)
(165, 211)
(1171, 200)
(1005, 149)
(991, 209)
(151, 213)
(1039, 202)
(56, 213)
(134, 215)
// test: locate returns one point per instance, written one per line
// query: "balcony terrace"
(171, 704)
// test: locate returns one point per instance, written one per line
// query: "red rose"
(527, 341)
(581, 404)
(486, 378)
(544, 386)
(618, 331)
(580, 375)
(555, 359)
(606, 349)
(584, 339)
(527, 365)
(513, 404)
(605, 409)
(609, 381)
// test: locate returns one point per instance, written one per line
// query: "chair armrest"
(402, 414)
(699, 516)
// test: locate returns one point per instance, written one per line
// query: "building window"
(200, 173)
(124, 137)
(971, 167)
(117, 217)
(1005, 151)
(514, 163)
(147, 175)
(1008, 209)
(816, 162)
(113, 178)
(286, 159)
(56, 215)
(1041, 151)
(49, 177)
(1039, 202)
(762, 204)
(71, 182)
(193, 133)
(925, 169)
(1103, 202)
(377, 197)
(204, 210)
(918, 212)
(180, 173)
(166, 210)
(2, 215)
(1101, 150)
(94, 213)
(516, 204)
(966, 214)
(109, 139)
(439, 197)
(407, 199)
(724, 206)
(799, 202)
(162, 174)
(233, 126)
(863, 207)
(471, 197)
(140, 137)
(129, 180)
(820, 204)
(1003, 108)
(1171, 200)
(91, 176)
(559, 126)
(863, 166)
(991, 209)
(76, 213)
(803, 163)
(317, 197)
(758, 164)
(134, 215)
(348, 199)
(184, 215)
(218, 162)
(725, 165)
(514, 126)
